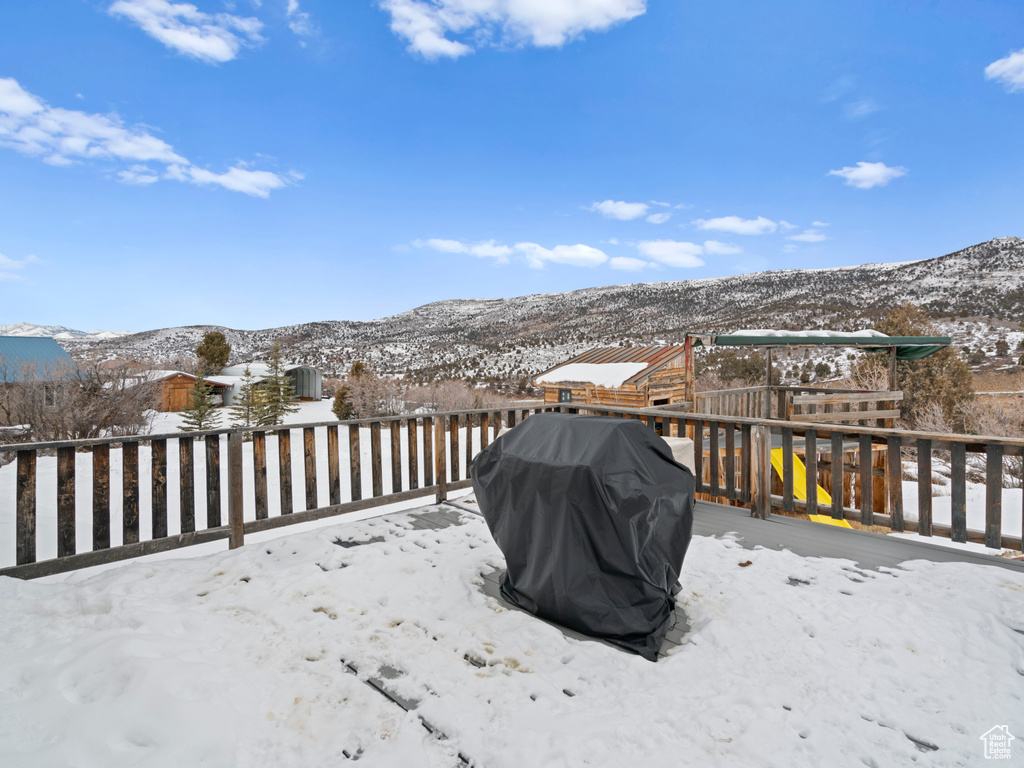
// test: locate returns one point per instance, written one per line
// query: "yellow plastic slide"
(800, 487)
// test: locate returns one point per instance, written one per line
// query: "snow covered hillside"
(976, 295)
(259, 657)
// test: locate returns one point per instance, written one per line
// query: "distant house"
(307, 381)
(26, 359)
(637, 377)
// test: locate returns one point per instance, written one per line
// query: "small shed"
(175, 386)
(630, 377)
(306, 380)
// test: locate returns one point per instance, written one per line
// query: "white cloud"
(299, 21)
(738, 226)
(629, 264)
(138, 174)
(62, 136)
(1009, 71)
(858, 109)
(486, 249)
(672, 253)
(573, 255)
(659, 218)
(808, 236)
(659, 203)
(820, 224)
(16, 265)
(429, 25)
(715, 248)
(212, 38)
(617, 209)
(868, 175)
(786, 226)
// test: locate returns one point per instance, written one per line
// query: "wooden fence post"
(761, 469)
(235, 520)
(440, 464)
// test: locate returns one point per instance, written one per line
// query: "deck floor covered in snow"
(384, 641)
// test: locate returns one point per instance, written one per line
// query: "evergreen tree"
(248, 406)
(277, 391)
(200, 414)
(214, 351)
(342, 405)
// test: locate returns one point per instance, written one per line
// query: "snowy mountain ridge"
(58, 332)
(975, 295)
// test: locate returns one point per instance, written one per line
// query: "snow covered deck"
(381, 640)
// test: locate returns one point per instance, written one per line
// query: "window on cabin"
(662, 401)
(565, 395)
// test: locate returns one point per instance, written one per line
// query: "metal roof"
(655, 357)
(28, 358)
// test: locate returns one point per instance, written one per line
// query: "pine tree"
(214, 351)
(278, 392)
(200, 414)
(342, 405)
(248, 406)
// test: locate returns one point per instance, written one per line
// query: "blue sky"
(255, 164)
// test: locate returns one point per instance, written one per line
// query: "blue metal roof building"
(32, 359)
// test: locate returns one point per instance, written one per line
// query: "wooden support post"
(376, 460)
(101, 496)
(395, 429)
(958, 491)
(159, 495)
(236, 522)
(355, 473)
(993, 495)
(413, 454)
(453, 443)
(867, 483)
(698, 454)
(837, 475)
(811, 465)
(129, 493)
(66, 502)
(333, 466)
(469, 443)
(730, 461)
(892, 369)
(309, 462)
(924, 487)
(484, 437)
(761, 469)
(746, 443)
(428, 451)
(25, 526)
(715, 458)
(213, 515)
(259, 470)
(895, 484)
(768, 383)
(284, 464)
(186, 485)
(440, 463)
(787, 470)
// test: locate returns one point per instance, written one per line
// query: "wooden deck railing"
(430, 455)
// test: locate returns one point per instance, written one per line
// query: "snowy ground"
(239, 659)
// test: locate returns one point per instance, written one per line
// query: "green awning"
(907, 347)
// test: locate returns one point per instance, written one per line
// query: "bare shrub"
(453, 396)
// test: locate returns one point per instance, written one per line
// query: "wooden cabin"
(175, 386)
(629, 377)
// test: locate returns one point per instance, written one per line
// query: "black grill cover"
(594, 517)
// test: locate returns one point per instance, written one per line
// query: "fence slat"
(159, 485)
(746, 444)
(376, 465)
(698, 454)
(355, 472)
(129, 492)
(284, 469)
(428, 451)
(26, 508)
(895, 464)
(213, 510)
(101, 496)
(396, 456)
(66, 539)
(993, 495)
(787, 469)
(413, 454)
(453, 446)
(186, 485)
(484, 437)
(837, 475)
(259, 471)
(867, 484)
(511, 419)
(469, 443)
(924, 487)
(811, 465)
(440, 459)
(309, 469)
(714, 458)
(730, 461)
(333, 466)
(236, 524)
(958, 491)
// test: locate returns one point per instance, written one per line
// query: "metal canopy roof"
(907, 347)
